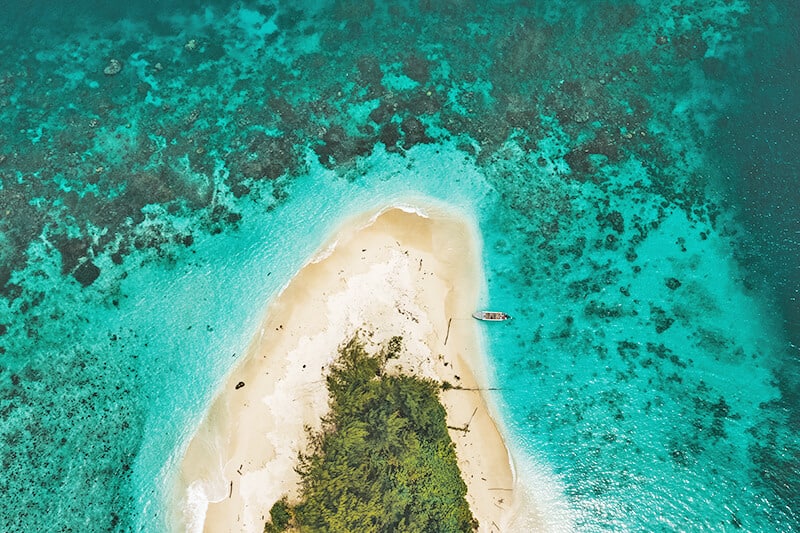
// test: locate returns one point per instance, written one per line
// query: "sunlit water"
(630, 166)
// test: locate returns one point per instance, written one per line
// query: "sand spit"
(395, 272)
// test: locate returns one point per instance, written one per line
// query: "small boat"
(491, 316)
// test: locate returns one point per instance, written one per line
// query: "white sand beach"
(386, 274)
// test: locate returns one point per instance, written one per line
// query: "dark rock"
(617, 221)
(659, 350)
(354, 29)
(3, 329)
(579, 164)
(274, 156)
(526, 119)
(333, 138)
(417, 68)
(576, 248)
(288, 18)
(72, 250)
(662, 321)
(675, 360)
(467, 148)
(673, 283)
(627, 349)
(604, 143)
(366, 129)
(690, 45)
(239, 385)
(151, 188)
(5, 275)
(112, 214)
(602, 310)
(389, 136)
(240, 190)
(143, 88)
(384, 112)
(426, 102)
(413, 132)
(11, 291)
(266, 11)
(369, 70)
(339, 148)
(679, 456)
(86, 273)
(580, 289)
(285, 111)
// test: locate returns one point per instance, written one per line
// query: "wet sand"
(384, 274)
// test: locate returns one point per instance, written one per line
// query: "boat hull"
(491, 316)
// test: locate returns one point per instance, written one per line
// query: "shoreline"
(398, 271)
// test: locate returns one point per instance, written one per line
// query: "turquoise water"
(631, 167)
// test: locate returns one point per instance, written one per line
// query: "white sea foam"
(195, 508)
(542, 505)
(268, 251)
(421, 206)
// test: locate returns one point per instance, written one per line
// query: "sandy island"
(389, 273)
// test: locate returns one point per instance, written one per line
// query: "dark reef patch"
(86, 273)
(72, 250)
(413, 132)
(594, 127)
(672, 283)
(417, 68)
(661, 321)
(338, 148)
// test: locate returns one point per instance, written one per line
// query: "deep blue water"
(632, 168)
(759, 141)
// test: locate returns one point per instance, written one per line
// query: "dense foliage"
(383, 460)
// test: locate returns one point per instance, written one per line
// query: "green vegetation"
(281, 514)
(383, 460)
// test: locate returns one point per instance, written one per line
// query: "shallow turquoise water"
(630, 166)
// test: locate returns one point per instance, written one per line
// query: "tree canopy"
(383, 460)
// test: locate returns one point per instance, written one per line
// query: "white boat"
(491, 316)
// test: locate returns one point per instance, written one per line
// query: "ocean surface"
(632, 167)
